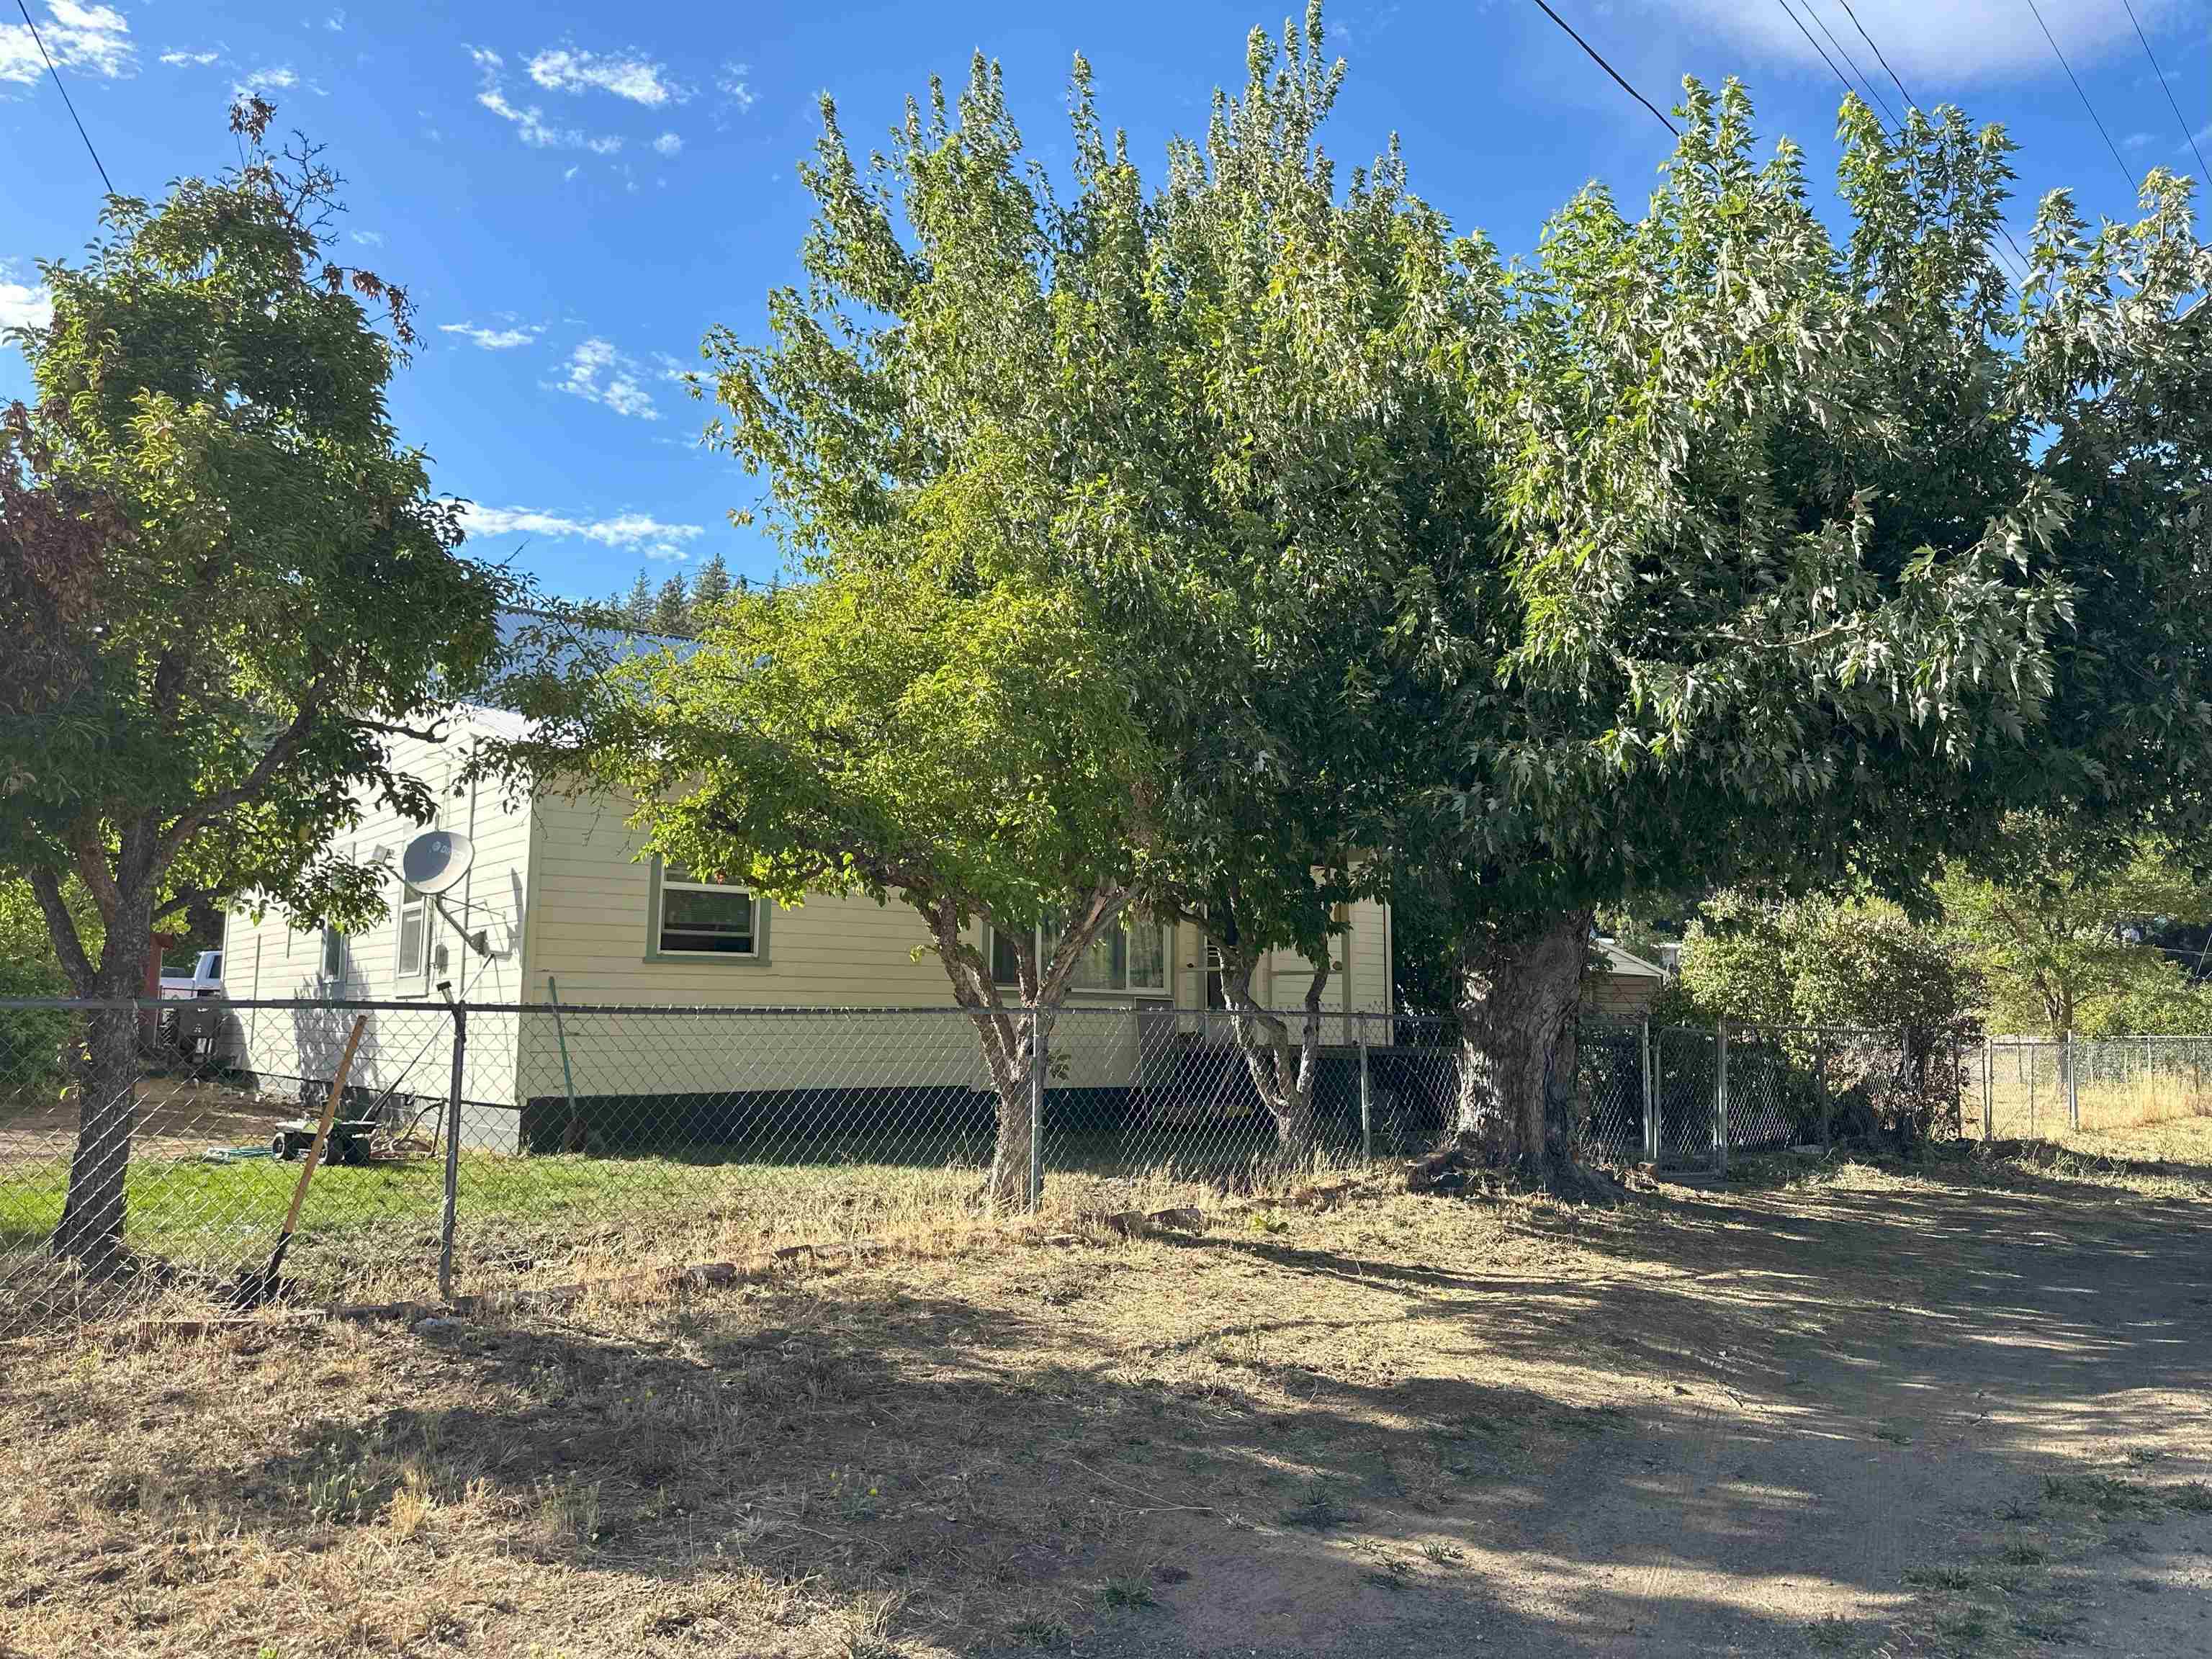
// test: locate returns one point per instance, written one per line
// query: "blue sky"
(574, 192)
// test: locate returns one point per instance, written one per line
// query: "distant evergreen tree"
(672, 607)
(638, 607)
(710, 587)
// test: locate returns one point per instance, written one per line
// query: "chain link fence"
(2019, 1087)
(486, 1148)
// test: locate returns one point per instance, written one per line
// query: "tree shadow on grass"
(1755, 1411)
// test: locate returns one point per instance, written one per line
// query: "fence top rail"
(432, 1005)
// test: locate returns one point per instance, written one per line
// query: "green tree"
(1209, 407)
(1859, 964)
(635, 606)
(923, 724)
(1786, 575)
(2057, 911)
(709, 588)
(223, 581)
(672, 607)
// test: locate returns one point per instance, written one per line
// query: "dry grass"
(1367, 1419)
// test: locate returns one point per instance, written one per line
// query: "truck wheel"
(280, 1144)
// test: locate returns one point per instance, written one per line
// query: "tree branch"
(61, 927)
(285, 744)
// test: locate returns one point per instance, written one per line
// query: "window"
(334, 953)
(1132, 956)
(412, 958)
(700, 916)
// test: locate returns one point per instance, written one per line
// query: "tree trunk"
(1517, 1000)
(1009, 1052)
(106, 1069)
(1283, 1072)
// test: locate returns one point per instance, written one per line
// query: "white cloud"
(1954, 44)
(180, 58)
(493, 339)
(2136, 141)
(638, 79)
(335, 22)
(602, 374)
(93, 40)
(570, 173)
(277, 77)
(660, 540)
(529, 120)
(736, 85)
(669, 143)
(21, 306)
(369, 237)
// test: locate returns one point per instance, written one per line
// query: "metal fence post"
(1988, 1105)
(1820, 1088)
(1650, 1095)
(1366, 1097)
(447, 1220)
(1720, 1095)
(2074, 1094)
(1037, 1064)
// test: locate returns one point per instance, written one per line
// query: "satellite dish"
(436, 860)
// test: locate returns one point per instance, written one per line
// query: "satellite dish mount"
(434, 864)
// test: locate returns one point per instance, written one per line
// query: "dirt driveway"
(1865, 1412)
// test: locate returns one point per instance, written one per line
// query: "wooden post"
(448, 1221)
(1037, 1061)
(1989, 1067)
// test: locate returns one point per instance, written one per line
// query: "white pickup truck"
(204, 980)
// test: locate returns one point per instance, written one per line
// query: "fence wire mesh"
(582, 1141)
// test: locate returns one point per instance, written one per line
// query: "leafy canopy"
(224, 575)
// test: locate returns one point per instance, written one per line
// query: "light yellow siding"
(409, 1049)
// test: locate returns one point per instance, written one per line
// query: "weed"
(337, 1491)
(1444, 1555)
(1317, 1508)
(1833, 1634)
(568, 1512)
(2021, 1553)
(2195, 1497)
(1130, 1592)
(867, 1632)
(1046, 1633)
(2107, 1494)
(1940, 1577)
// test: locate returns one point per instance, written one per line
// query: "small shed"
(1624, 988)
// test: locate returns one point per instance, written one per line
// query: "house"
(556, 899)
(1622, 988)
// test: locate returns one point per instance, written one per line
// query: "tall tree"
(1213, 409)
(709, 588)
(636, 605)
(223, 581)
(1785, 577)
(928, 726)
(672, 607)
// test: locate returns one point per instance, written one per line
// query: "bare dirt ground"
(1849, 1410)
(178, 1117)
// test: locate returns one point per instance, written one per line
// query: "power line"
(2203, 173)
(2026, 266)
(1910, 102)
(1602, 65)
(64, 90)
(1844, 52)
(1792, 15)
(2083, 96)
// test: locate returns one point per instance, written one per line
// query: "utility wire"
(1595, 58)
(1844, 52)
(2084, 97)
(1790, 13)
(1910, 102)
(64, 90)
(1844, 81)
(2203, 173)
